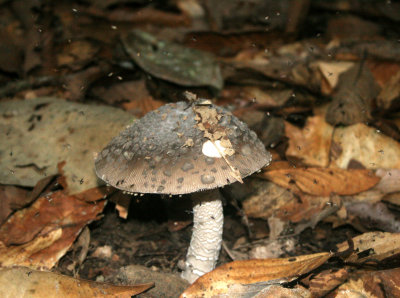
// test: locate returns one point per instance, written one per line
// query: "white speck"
(213, 149)
(114, 27)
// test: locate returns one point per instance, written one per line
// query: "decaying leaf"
(273, 248)
(352, 103)
(227, 14)
(367, 146)
(371, 216)
(273, 201)
(382, 283)
(25, 282)
(383, 49)
(76, 54)
(167, 284)
(264, 290)
(373, 247)
(266, 199)
(389, 182)
(140, 107)
(393, 198)
(54, 130)
(172, 62)
(10, 52)
(13, 198)
(323, 181)
(325, 281)
(390, 93)
(39, 235)
(10, 198)
(312, 143)
(220, 280)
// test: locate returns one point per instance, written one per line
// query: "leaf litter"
(324, 103)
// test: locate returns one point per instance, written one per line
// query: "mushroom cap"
(164, 152)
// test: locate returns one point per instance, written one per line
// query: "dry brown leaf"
(77, 54)
(10, 52)
(25, 282)
(323, 181)
(13, 198)
(389, 93)
(353, 101)
(351, 27)
(142, 106)
(366, 145)
(38, 236)
(266, 199)
(383, 283)
(383, 71)
(245, 272)
(270, 200)
(373, 246)
(325, 281)
(10, 197)
(312, 143)
(121, 91)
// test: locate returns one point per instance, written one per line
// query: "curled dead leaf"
(220, 280)
(323, 181)
(39, 235)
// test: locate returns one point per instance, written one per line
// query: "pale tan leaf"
(245, 272)
(331, 72)
(264, 290)
(25, 282)
(312, 143)
(366, 145)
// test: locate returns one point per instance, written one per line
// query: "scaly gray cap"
(181, 148)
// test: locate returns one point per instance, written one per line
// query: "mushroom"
(183, 148)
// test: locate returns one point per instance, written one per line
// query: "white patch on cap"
(213, 149)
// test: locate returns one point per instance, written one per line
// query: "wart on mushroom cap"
(170, 151)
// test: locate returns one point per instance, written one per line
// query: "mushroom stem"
(208, 220)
